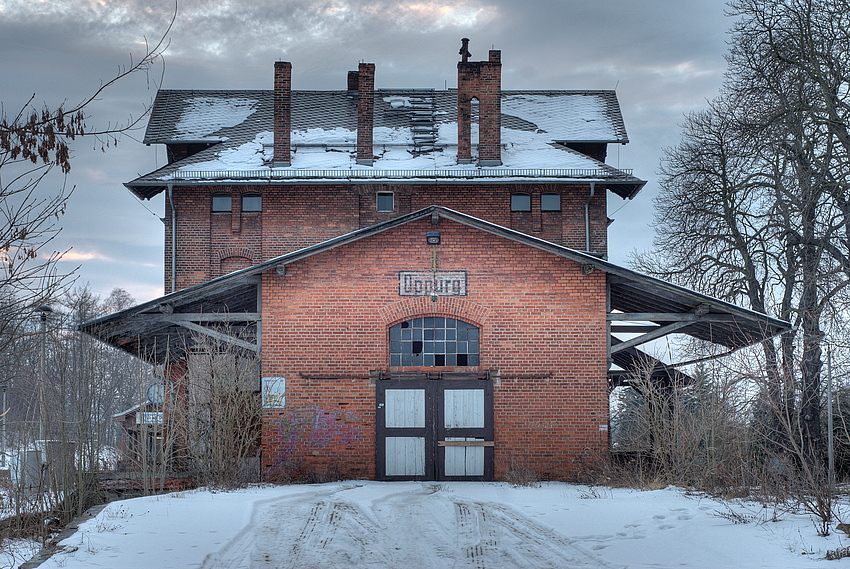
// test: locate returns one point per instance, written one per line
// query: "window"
(520, 202)
(433, 341)
(550, 202)
(221, 202)
(252, 202)
(384, 201)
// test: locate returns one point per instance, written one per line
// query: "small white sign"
(152, 417)
(274, 392)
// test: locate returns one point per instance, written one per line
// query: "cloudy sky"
(665, 58)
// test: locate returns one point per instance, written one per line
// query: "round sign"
(156, 393)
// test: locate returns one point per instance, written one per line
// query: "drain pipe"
(173, 238)
(587, 217)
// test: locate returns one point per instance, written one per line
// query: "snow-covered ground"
(439, 525)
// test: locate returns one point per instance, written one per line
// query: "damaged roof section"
(227, 307)
(228, 136)
(203, 116)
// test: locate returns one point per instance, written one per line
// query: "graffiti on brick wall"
(312, 428)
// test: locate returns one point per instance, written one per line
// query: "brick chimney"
(282, 113)
(365, 112)
(480, 80)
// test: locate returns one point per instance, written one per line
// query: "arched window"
(252, 202)
(433, 341)
(221, 202)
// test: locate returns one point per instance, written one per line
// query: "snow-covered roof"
(537, 127)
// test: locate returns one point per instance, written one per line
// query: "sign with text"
(274, 392)
(429, 283)
(151, 417)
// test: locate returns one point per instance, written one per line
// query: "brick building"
(422, 273)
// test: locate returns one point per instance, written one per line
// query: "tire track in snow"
(336, 530)
(493, 536)
(419, 528)
(240, 552)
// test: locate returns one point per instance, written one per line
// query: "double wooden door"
(434, 429)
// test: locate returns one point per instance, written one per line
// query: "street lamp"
(43, 311)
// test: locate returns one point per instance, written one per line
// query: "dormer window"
(222, 203)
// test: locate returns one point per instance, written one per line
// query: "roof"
(227, 306)
(537, 126)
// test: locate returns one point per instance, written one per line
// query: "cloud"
(77, 256)
(667, 58)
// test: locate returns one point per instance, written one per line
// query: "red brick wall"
(542, 325)
(294, 217)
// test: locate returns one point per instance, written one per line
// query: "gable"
(340, 303)
(154, 329)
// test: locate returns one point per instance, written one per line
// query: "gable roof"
(163, 326)
(183, 116)
(537, 126)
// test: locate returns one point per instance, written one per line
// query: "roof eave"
(212, 140)
(627, 189)
(591, 141)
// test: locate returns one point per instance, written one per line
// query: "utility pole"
(43, 311)
(831, 442)
(5, 410)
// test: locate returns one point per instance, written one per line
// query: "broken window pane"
(434, 342)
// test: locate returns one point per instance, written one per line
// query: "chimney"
(352, 80)
(282, 113)
(480, 80)
(365, 112)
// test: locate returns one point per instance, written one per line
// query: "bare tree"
(721, 229)
(34, 142)
(218, 415)
(789, 65)
(754, 206)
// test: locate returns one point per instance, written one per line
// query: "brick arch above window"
(230, 264)
(238, 252)
(452, 307)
